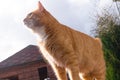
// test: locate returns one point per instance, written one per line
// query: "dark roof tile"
(29, 54)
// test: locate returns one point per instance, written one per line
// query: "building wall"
(27, 72)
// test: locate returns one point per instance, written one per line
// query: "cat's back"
(83, 43)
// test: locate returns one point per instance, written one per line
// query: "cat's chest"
(51, 58)
(47, 54)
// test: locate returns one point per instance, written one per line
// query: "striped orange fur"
(67, 50)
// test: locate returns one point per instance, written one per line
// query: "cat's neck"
(48, 31)
(50, 27)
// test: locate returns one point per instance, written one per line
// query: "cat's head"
(38, 18)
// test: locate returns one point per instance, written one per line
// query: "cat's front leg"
(60, 72)
(73, 68)
(74, 73)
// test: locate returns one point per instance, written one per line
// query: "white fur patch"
(41, 34)
(81, 76)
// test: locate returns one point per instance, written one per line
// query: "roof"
(29, 54)
(116, 0)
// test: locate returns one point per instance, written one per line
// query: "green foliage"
(108, 29)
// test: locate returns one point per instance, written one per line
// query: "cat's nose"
(25, 21)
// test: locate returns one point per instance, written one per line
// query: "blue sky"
(14, 35)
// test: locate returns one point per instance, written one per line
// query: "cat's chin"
(29, 26)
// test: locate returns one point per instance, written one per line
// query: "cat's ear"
(40, 6)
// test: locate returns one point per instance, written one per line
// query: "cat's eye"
(30, 15)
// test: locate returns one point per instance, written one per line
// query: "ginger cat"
(67, 50)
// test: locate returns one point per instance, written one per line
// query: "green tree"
(108, 29)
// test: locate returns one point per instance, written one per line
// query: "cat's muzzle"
(28, 23)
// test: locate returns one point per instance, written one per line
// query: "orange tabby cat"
(66, 49)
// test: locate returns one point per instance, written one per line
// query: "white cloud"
(8, 46)
(105, 3)
(78, 2)
(13, 35)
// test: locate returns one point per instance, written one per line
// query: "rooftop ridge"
(28, 54)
